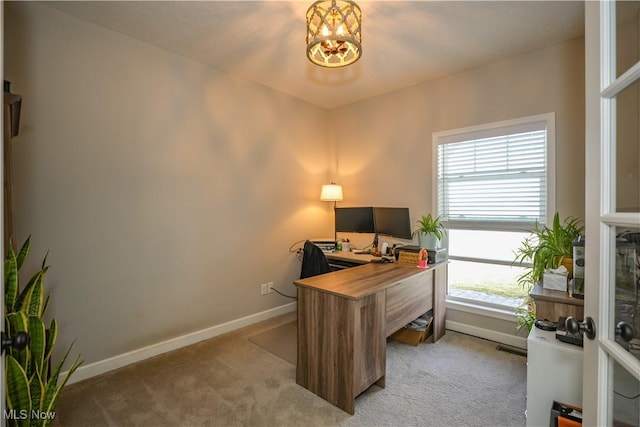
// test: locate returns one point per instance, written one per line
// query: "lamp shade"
(331, 193)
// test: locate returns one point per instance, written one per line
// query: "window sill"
(481, 308)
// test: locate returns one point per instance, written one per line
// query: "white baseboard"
(119, 361)
(488, 334)
(96, 368)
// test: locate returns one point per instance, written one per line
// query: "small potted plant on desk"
(546, 248)
(430, 231)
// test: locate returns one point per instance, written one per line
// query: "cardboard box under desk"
(412, 336)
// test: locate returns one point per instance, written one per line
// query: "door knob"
(19, 341)
(588, 327)
(625, 331)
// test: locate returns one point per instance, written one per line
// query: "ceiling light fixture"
(334, 33)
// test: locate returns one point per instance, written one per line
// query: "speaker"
(578, 267)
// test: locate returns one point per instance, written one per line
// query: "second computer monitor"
(393, 222)
(354, 220)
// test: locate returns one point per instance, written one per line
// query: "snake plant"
(32, 387)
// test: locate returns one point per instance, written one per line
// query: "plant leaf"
(52, 389)
(17, 322)
(33, 300)
(18, 393)
(36, 297)
(24, 251)
(24, 295)
(44, 260)
(10, 280)
(36, 388)
(45, 305)
(37, 344)
(52, 336)
(57, 391)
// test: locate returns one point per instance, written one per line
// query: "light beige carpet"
(280, 341)
(230, 381)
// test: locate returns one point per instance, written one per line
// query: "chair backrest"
(314, 261)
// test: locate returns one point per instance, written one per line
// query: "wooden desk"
(341, 260)
(345, 316)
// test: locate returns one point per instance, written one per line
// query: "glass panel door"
(626, 398)
(612, 359)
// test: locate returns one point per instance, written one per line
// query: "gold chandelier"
(334, 33)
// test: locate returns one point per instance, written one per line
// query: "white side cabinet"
(554, 372)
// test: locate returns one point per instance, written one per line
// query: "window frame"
(478, 131)
(481, 131)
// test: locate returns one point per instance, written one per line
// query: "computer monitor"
(393, 222)
(354, 220)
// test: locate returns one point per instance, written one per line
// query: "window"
(493, 183)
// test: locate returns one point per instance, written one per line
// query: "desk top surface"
(541, 294)
(363, 280)
(350, 256)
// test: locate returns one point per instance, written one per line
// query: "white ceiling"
(404, 42)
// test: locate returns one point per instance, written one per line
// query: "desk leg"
(439, 302)
(341, 345)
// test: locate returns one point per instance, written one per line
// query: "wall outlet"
(264, 288)
(270, 287)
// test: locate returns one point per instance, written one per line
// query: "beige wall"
(384, 144)
(167, 191)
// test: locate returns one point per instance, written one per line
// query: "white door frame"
(600, 211)
(591, 410)
(2, 325)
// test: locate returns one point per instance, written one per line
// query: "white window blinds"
(494, 177)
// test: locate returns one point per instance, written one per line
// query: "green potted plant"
(430, 231)
(32, 387)
(546, 248)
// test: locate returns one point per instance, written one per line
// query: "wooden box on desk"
(408, 258)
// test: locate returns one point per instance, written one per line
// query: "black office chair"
(313, 261)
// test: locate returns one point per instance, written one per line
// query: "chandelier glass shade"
(334, 33)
